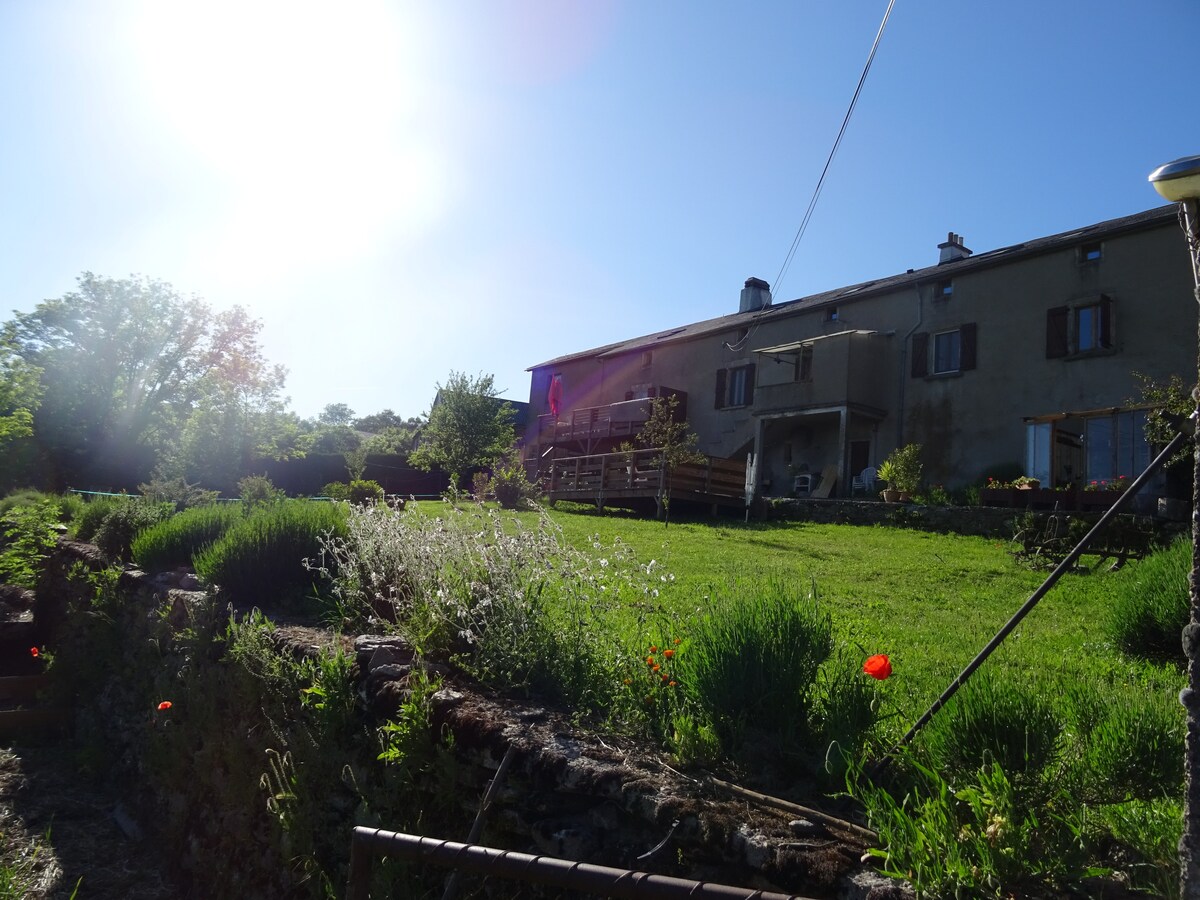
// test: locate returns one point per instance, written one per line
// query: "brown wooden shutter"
(920, 354)
(1106, 310)
(1056, 332)
(749, 384)
(966, 347)
(719, 402)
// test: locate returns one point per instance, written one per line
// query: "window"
(647, 358)
(1116, 445)
(735, 386)
(1090, 253)
(943, 290)
(951, 351)
(1084, 328)
(947, 349)
(831, 314)
(803, 370)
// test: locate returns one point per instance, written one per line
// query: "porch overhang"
(794, 347)
(1082, 414)
(869, 412)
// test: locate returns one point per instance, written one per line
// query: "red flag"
(554, 398)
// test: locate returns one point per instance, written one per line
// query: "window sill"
(1090, 354)
(938, 376)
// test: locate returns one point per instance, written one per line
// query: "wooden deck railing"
(639, 473)
(623, 419)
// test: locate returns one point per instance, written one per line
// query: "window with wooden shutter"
(1106, 309)
(749, 394)
(719, 400)
(966, 356)
(1057, 344)
(920, 354)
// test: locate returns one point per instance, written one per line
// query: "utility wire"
(812, 204)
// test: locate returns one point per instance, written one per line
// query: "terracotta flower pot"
(890, 495)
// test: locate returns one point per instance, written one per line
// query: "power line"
(812, 203)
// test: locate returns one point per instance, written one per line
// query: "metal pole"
(1189, 842)
(1035, 597)
(564, 873)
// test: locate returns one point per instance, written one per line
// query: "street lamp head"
(1178, 180)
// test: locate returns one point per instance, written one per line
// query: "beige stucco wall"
(968, 421)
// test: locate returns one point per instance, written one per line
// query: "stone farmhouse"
(1022, 357)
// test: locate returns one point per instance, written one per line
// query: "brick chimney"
(953, 249)
(755, 295)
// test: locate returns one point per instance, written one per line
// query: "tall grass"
(262, 558)
(1151, 605)
(177, 540)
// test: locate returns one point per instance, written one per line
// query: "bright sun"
(318, 120)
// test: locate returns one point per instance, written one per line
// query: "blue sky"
(398, 190)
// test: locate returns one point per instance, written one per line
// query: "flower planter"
(1097, 500)
(997, 497)
(890, 496)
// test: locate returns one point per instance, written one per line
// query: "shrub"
(754, 660)
(336, 490)
(516, 606)
(261, 558)
(29, 534)
(365, 492)
(510, 485)
(994, 718)
(1152, 605)
(70, 506)
(24, 497)
(89, 519)
(124, 521)
(257, 490)
(177, 492)
(175, 541)
(481, 486)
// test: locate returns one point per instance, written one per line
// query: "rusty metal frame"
(565, 873)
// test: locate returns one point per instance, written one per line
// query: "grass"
(930, 601)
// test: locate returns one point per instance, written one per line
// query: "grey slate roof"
(1149, 219)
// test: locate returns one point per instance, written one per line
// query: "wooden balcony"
(624, 478)
(589, 429)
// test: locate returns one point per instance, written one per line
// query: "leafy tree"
(379, 422)
(467, 427)
(1172, 401)
(336, 414)
(676, 442)
(20, 393)
(124, 364)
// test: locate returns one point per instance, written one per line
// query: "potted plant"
(903, 468)
(1027, 483)
(887, 472)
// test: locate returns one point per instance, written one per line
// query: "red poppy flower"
(164, 706)
(668, 653)
(649, 660)
(878, 666)
(33, 651)
(654, 649)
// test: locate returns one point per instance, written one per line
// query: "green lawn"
(930, 601)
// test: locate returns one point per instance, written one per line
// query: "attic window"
(647, 358)
(943, 290)
(1090, 252)
(831, 314)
